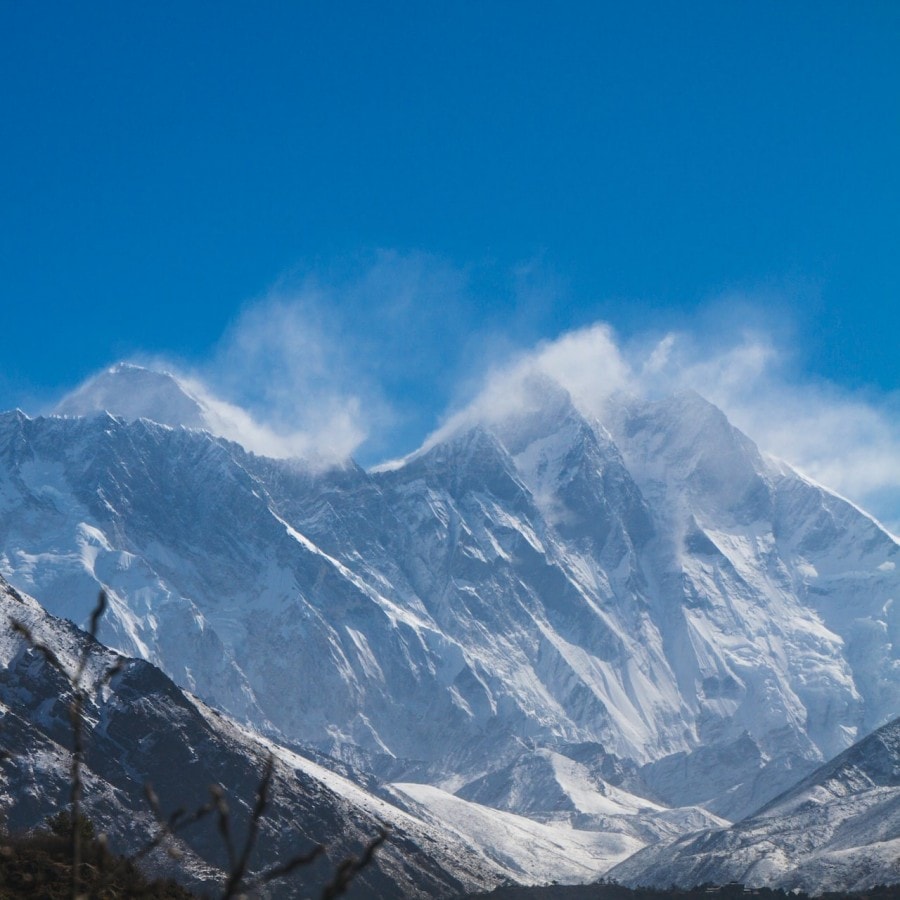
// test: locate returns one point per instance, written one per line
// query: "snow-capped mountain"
(138, 393)
(838, 829)
(140, 727)
(533, 612)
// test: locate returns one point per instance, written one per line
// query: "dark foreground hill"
(139, 727)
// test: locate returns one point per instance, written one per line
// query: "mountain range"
(620, 627)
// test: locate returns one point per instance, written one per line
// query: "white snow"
(528, 851)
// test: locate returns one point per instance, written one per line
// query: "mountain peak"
(544, 408)
(135, 392)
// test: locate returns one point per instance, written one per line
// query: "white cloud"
(280, 362)
(317, 358)
(329, 435)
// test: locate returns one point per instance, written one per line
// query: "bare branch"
(301, 859)
(168, 828)
(97, 614)
(351, 867)
(113, 670)
(221, 807)
(240, 867)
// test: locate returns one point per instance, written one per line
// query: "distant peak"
(130, 392)
(134, 392)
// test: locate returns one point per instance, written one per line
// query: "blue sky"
(424, 190)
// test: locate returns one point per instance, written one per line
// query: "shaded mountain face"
(141, 727)
(650, 586)
(838, 829)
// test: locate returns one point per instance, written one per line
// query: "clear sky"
(418, 188)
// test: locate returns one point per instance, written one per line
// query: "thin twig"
(112, 671)
(221, 806)
(76, 717)
(176, 822)
(301, 859)
(240, 866)
(52, 658)
(351, 867)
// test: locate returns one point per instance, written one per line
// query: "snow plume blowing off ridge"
(165, 396)
(307, 368)
(303, 381)
(843, 440)
(281, 369)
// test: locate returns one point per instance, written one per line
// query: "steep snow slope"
(702, 622)
(140, 727)
(805, 578)
(838, 829)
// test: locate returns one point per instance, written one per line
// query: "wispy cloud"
(361, 357)
(587, 363)
(286, 371)
(338, 359)
(330, 433)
